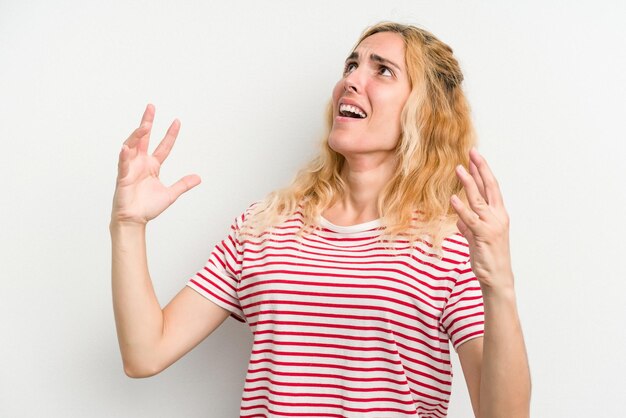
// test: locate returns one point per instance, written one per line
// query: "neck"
(365, 178)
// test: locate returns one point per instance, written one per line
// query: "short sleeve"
(463, 316)
(219, 278)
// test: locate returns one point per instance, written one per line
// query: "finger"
(164, 148)
(468, 218)
(123, 163)
(475, 199)
(185, 184)
(134, 137)
(148, 115)
(463, 229)
(492, 189)
(479, 181)
(146, 120)
(144, 127)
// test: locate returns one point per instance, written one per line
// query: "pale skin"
(151, 339)
(495, 366)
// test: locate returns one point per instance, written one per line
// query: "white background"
(249, 81)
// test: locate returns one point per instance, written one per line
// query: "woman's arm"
(505, 378)
(150, 339)
(500, 357)
(496, 366)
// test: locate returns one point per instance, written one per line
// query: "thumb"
(185, 184)
(123, 164)
(463, 229)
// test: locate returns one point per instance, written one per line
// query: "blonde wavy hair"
(437, 134)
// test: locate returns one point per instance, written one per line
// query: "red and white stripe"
(344, 325)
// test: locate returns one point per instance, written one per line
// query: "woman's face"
(368, 100)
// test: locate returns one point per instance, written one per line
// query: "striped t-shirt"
(344, 325)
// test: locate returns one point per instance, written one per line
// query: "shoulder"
(456, 243)
(246, 216)
(451, 245)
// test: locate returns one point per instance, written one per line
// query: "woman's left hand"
(485, 224)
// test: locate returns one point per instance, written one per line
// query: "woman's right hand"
(139, 194)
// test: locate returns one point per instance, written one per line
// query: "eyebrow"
(374, 57)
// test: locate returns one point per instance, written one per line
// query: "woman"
(353, 279)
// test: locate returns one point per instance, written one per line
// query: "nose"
(349, 86)
(352, 82)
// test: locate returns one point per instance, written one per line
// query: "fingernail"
(461, 169)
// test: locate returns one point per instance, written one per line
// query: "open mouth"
(351, 111)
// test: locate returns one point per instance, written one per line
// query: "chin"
(341, 143)
(347, 144)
